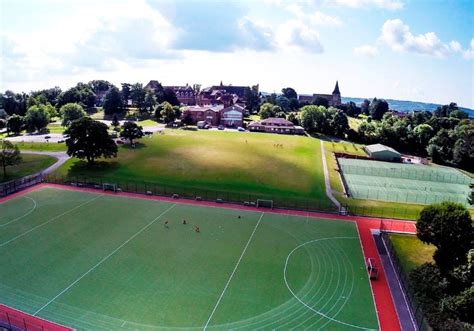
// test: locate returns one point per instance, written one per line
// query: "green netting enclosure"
(411, 183)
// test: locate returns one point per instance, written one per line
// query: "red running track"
(386, 313)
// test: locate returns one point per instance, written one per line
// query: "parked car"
(61, 141)
(47, 137)
(119, 142)
(220, 127)
(241, 129)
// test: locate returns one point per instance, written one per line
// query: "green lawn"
(92, 261)
(146, 123)
(411, 251)
(228, 161)
(41, 147)
(56, 128)
(30, 164)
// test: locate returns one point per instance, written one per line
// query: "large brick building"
(231, 116)
(185, 94)
(226, 95)
(333, 99)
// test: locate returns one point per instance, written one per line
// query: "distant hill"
(406, 106)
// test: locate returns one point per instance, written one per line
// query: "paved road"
(60, 156)
(327, 181)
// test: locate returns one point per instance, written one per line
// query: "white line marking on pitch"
(52, 219)
(301, 301)
(103, 260)
(233, 272)
(19, 218)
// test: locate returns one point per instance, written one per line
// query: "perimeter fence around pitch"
(409, 183)
(183, 192)
(415, 308)
(19, 184)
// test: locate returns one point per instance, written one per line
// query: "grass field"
(30, 164)
(41, 147)
(410, 183)
(229, 161)
(411, 251)
(92, 261)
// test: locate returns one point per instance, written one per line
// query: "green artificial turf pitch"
(94, 261)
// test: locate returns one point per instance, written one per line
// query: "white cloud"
(383, 4)
(455, 46)
(256, 34)
(399, 38)
(313, 17)
(295, 34)
(469, 53)
(366, 50)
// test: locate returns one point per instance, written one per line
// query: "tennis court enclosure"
(399, 182)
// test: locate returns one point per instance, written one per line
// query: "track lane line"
(49, 221)
(233, 272)
(104, 259)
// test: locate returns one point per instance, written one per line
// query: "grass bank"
(30, 164)
(411, 251)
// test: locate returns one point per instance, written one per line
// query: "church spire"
(336, 89)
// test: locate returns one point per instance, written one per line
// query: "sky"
(395, 49)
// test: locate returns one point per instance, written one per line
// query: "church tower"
(336, 96)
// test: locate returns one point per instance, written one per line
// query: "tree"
(365, 107)
(150, 102)
(289, 93)
(423, 133)
(14, 103)
(320, 101)
(14, 124)
(89, 139)
(3, 114)
(100, 85)
(283, 103)
(112, 101)
(266, 110)
(125, 94)
(170, 96)
(131, 131)
(448, 226)
(339, 124)
(71, 112)
(352, 109)
(252, 99)
(314, 118)
(167, 112)
(115, 121)
(445, 110)
(440, 147)
(137, 95)
(9, 155)
(378, 108)
(36, 118)
(81, 94)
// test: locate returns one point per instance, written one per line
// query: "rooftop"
(380, 148)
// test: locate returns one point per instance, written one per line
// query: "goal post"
(109, 187)
(265, 203)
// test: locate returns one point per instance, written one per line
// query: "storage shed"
(383, 153)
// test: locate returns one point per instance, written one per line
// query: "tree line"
(446, 135)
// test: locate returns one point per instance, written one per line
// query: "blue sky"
(398, 49)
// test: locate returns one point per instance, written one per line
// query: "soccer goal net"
(264, 203)
(109, 187)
